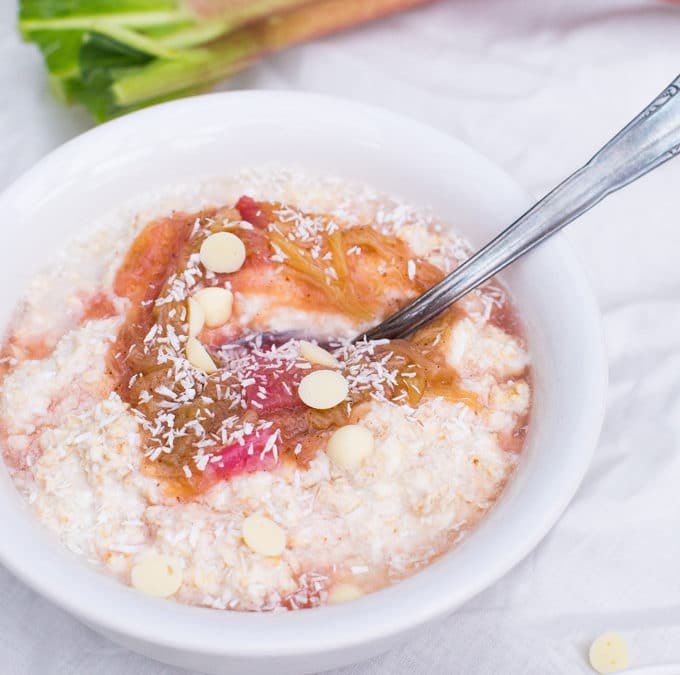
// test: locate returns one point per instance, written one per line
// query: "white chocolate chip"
(344, 593)
(315, 354)
(198, 356)
(263, 536)
(196, 318)
(323, 389)
(350, 445)
(157, 574)
(609, 653)
(223, 252)
(216, 303)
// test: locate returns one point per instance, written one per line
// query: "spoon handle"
(650, 139)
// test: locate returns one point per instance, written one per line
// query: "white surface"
(536, 86)
(144, 156)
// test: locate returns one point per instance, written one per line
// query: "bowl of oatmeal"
(199, 460)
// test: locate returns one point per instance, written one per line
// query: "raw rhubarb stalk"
(240, 11)
(237, 50)
(114, 56)
(154, 27)
(215, 18)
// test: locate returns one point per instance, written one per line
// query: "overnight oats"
(182, 404)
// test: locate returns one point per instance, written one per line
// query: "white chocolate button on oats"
(344, 593)
(609, 653)
(323, 389)
(317, 355)
(198, 356)
(216, 303)
(158, 575)
(223, 253)
(350, 445)
(263, 536)
(196, 317)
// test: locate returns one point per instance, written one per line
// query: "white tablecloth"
(537, 86)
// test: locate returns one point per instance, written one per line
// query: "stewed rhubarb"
(239, 410)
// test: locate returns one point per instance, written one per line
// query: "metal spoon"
(649, 140)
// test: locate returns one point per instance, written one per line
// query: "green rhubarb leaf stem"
(195, 34)
(85, 21)
(135, 40)
(161, 78)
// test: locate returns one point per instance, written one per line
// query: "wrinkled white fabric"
(536, 85)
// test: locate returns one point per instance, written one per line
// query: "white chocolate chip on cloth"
(609, 653)
(263, 536)
(158, 575)
(223, 253)
(323, 389)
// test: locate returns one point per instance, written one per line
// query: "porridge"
(182, 404)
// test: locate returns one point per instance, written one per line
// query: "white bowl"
(217, 135)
